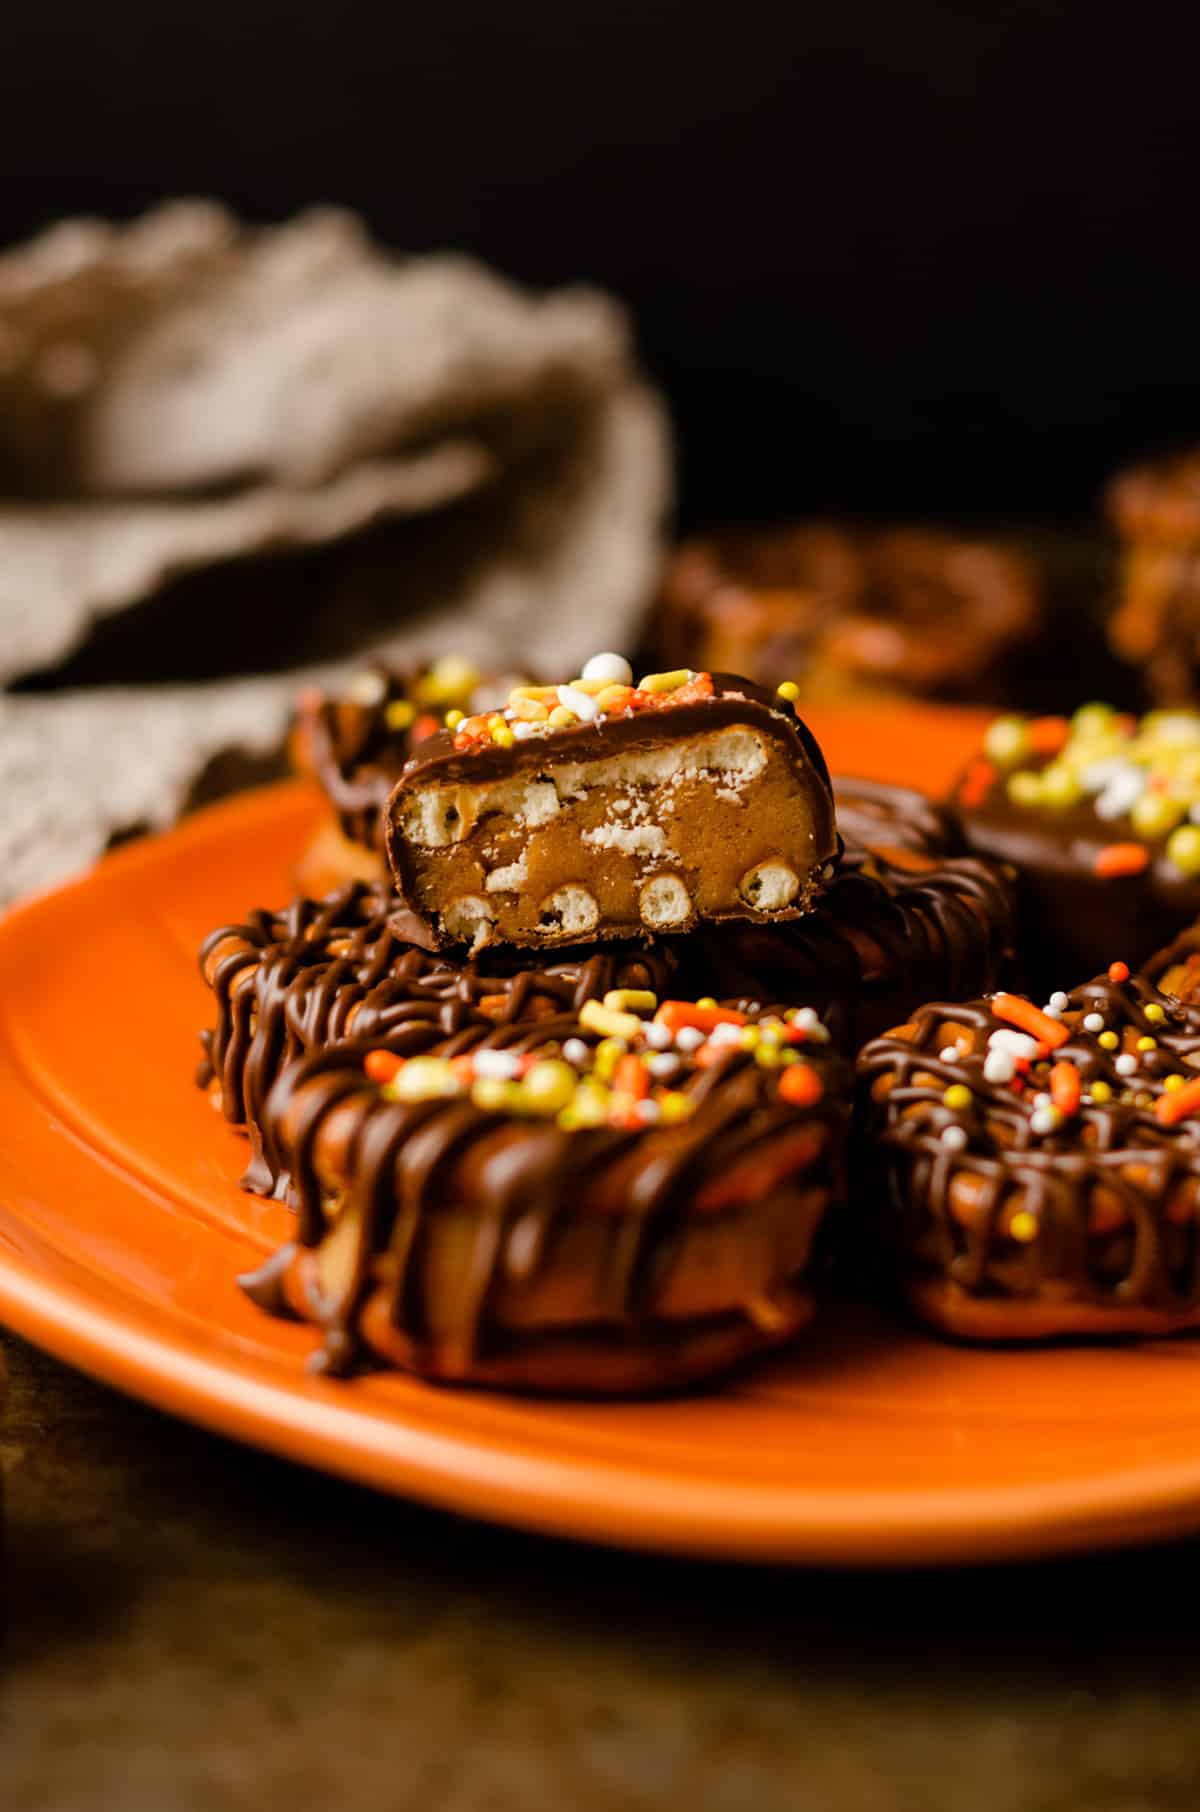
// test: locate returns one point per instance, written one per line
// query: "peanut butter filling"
(715, 825)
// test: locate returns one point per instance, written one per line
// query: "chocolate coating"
(877, 815)
(883, 938)
(324, 971)
(1074, 920)
(1078, 1224)
(479, 1246)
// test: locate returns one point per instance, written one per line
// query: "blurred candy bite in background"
(1100, 815)
(1155, 509)
(852, 611)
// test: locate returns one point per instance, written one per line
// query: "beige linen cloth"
(234, 459)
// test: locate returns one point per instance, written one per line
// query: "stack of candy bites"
(553, 1061)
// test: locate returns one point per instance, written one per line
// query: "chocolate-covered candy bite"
(885, 936)
(325, 971)
(1096, 814)
(602, 809)
(622, 1201)
(1038, 1167)
(1155, 509)
(354, 743)
(848, 610)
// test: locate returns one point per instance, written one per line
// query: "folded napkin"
(253, 456)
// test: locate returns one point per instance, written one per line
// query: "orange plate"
(121, 1232)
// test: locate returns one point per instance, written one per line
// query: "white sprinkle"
(521, 730)
(725, 1034)
(688, 1038)
(663, 1063)
(1093, 1022)
(614, 669)
(807, 1017)
(501, 1064)
(1041, 1099)
(647, 1111)
(1045, 1120)
(1126, 1064)
(1017, 1044)
(948, 1053)
(576, 1051)
(1058, 1001)
(1122, 792)
(954, 1137)
(659, 1038)
(1052, 1012)
(582, 703)
(999, 1066)
(1097, 775)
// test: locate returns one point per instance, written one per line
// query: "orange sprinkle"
(800, 1085)
(1121, 859)
(464, 1068)
(1031, 1019)
(976, 782)
(425, 726)
(1178, 1105)
(676, 1014)
(381, 1066)
(632, 1078)
(1065, 1087)
(1118, 972)
(1047, 734)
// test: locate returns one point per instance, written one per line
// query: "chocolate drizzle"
(423, 1227)
(882, 938)
(1111, 1194)
(324, 971)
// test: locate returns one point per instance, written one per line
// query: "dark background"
(888, 254)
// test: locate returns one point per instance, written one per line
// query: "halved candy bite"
(324, 971)
(622, 1201)
(1042, 1161)
(614, 811)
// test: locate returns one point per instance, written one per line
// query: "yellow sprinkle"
(593, 687)
(707, 1000)
(538, 694)
(631, 1000)
(1143, 1099)
(502, 736)
(665, 682)
(1023, 1227)
(609, 1024)
(958, 1096)
(1024, 787)
(749, 1038)
(549, 1086)
(767, 1056)
(1101, 1092)
(454, 718)
(1146, 1044)
(561, 718)
(423, 1079)
(1108, 1040)
(450, 678)
(607, 1055)
(789, 690)
(400, 714)
(1155, 1013)
(673, 1106)
(1170, 1083)
(789, 1056)
(495, 1096)
(611, 697)
(529, 710)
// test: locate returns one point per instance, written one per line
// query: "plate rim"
(113, 1336)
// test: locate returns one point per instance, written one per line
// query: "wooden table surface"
(193, 1627)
